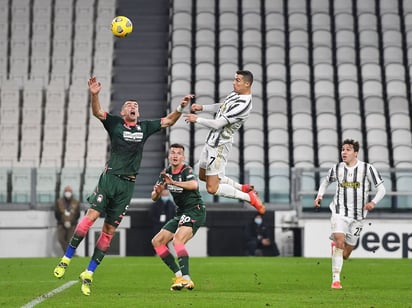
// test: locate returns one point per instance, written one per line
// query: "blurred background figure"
(259, 242)
(162, 211)
(67, 213)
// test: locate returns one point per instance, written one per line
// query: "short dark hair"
(247, 75)
(130, 100)
(178, 146)
(353, 142)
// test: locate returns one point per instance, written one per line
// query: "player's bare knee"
(154, 242)
(340, 245)
(211, 189)
(157, 241)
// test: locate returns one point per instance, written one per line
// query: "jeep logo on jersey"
(134, 137)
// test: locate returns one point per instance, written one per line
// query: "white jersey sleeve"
(235, 110)
(353, 185)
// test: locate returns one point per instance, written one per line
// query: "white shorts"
(214, 160)
(350, 227)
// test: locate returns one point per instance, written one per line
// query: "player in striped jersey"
(350, 204)
(230, 116)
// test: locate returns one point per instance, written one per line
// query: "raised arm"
(210, 123)
(94, 88)
(172, 117)
(207, 108)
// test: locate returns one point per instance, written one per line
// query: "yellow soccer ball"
(121, 26)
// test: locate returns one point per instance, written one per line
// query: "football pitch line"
(43, 297)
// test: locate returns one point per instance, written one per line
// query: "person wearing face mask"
(258, 240)
(67, 213)
(161, 211)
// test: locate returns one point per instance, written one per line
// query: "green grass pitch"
(219, 282)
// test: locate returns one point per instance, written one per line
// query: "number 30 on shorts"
(184, 219)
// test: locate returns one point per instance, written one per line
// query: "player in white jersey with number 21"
(350, 204)
(230, 116)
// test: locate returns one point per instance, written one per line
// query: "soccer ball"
(121, 26)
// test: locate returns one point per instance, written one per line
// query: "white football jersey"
(235, 109)
(353, 187)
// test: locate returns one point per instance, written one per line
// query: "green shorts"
(194, 217)
(112, 197)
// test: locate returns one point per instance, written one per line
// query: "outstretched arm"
(94, 88)
(210, 123)
(208, 108)
(172, 117)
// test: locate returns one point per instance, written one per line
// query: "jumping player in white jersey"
(230, 116)
(350, 204)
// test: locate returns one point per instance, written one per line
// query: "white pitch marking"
(43, 297)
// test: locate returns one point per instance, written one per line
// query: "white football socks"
(229, 181)
(228, 191)
(178, 273)
(186, 277)
(337, 262)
